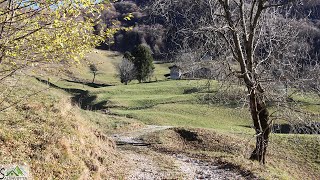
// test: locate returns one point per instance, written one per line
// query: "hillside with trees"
(144, 31)
(149, 28)
(160, 89)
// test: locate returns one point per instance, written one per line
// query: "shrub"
(126, 69)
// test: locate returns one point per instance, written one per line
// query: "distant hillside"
(150, 30)
(144, 31)
(312, 11)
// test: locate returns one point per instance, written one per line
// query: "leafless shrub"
(126, 71)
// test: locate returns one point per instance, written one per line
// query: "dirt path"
(147, 164)
(144, 167)
(197, 169)
(133, 137)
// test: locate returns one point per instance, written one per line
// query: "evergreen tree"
(127, 55)
(143, 62)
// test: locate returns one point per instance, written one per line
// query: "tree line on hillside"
(150, 28)
(143, 30)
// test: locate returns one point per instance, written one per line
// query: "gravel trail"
(197, 169)
(133, 137)
(144, 166)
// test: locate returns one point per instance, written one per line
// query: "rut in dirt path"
(134, 137)
(148, 164)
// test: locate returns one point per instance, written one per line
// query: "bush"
(126, 69)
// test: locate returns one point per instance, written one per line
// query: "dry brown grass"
(52, 137)
(288, 157)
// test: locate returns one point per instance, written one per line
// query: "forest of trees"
(149, 28)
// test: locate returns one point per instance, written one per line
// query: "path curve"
(145, 167)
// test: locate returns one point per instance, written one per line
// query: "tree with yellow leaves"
(38, 32)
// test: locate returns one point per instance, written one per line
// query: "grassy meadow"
(160, 102)
(108, 107)
(179, 103)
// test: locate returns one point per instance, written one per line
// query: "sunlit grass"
(193, 115)
(178, 103)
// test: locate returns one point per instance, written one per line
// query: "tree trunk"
(260, 116)
(94, 77)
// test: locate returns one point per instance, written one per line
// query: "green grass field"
(179, 103)
(161, 102)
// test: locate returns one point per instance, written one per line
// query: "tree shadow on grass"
(91, 84)
(310, 128)
(82, 98)
(154, 81)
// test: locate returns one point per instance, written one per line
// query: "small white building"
(175, 72)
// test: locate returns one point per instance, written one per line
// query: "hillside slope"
(51, 136)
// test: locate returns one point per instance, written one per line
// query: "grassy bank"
(54, 138)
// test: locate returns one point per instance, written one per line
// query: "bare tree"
(126, 71)
(94, 70)
(259, 43)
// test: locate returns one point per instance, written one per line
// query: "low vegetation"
(62, 139)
